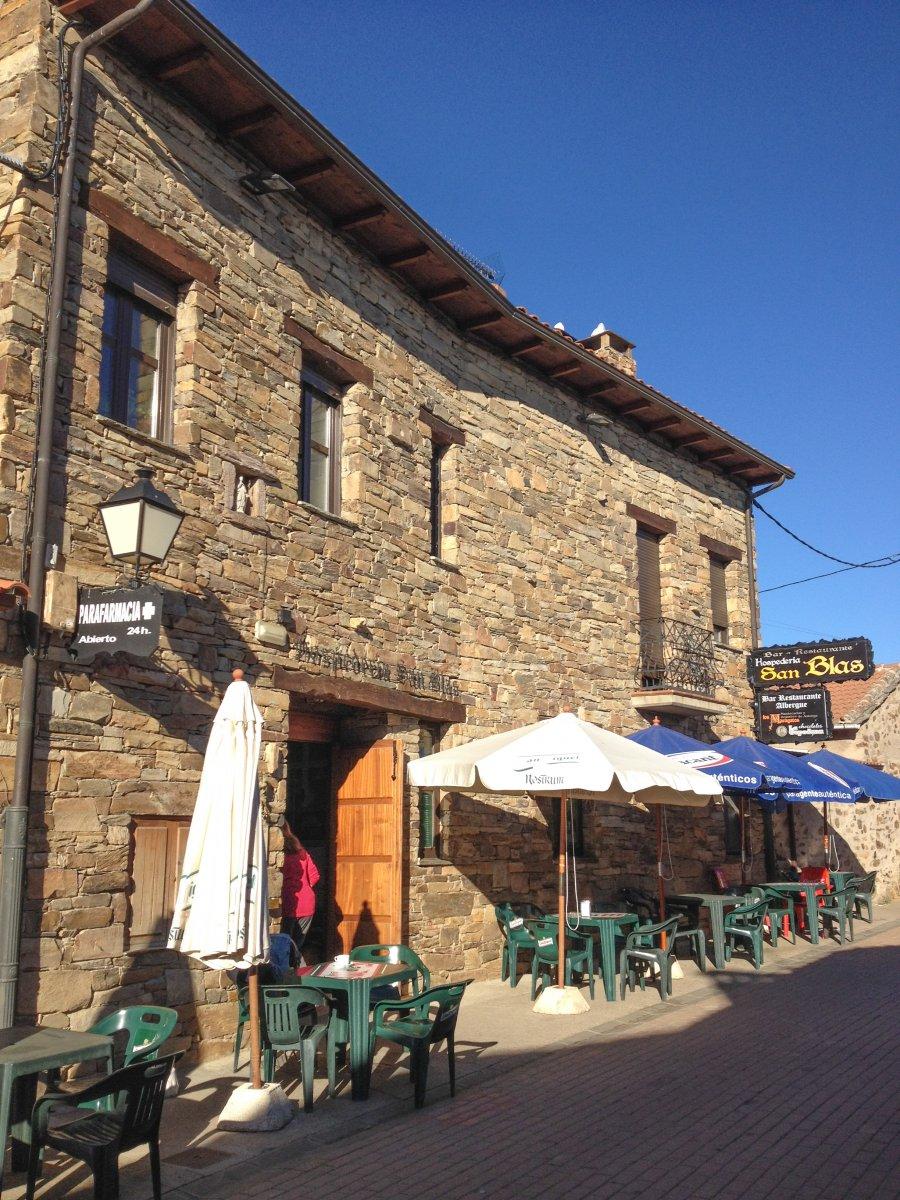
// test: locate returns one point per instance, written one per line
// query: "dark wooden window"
(435, 508)
(157, 854)
(732, 831)
(649, 591)
(320, 443)
(136, 365)
(718, 594)
(575, 826)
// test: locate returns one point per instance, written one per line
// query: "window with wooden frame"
(320, 443)
(718, 595)
(442, 530)
(157, 852)
(136, 367)
(648, 574)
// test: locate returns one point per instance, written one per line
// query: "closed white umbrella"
(564, 757)
(221, 909)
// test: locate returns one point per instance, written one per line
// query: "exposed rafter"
(526, 347)
(179, 64)
(247, 122)
(363, 216)
(309, 172)
(404, 258)
(485, 322)
(446, 290)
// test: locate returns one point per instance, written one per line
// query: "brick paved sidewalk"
(779, 1085)
(734, 1088)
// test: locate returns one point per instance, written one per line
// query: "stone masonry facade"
(536, 611)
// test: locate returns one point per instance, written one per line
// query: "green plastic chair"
(781, 908)
(865, 887)
(746, 924)
(379, 953)
(297, 1018)
(838, 909)
(146, 1029)
(516, 937)
(579, 955)
(419, 1024)
(643, 947)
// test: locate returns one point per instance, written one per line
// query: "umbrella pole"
(825, 830)
(660, 882)
(561, 884)
(743, 840)
(255, 1047)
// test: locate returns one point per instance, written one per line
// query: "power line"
(826, 574)
(887, 560)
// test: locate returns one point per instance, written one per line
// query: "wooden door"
(368, 817)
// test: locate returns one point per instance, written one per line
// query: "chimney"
(612, 348)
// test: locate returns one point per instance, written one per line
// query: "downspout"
(12, 863)
(750, 526)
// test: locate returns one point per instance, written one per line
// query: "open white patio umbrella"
(221, 908)
(570, 758)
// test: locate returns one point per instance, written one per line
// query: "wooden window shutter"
(649, 599)
(150, 879)
(718, 594)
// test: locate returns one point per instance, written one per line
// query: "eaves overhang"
(179, 49)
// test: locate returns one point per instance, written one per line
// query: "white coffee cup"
(585, 908)
(342, 961)
(393, 954)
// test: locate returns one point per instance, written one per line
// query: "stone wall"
(538, 612)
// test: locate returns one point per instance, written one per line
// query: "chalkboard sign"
(811, 662)
(794, 715)
(114, 619)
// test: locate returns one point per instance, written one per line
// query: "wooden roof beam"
(446, 290)
(68, 7)
(363, 216)
(247, 122)
(633, 406)
(310, 171)
(717, 455)
(663, 423)
(600, 389)
(179, 64)
(482, 322)
(567, 369)
(526, 347)
(691, 438)
(404, 258)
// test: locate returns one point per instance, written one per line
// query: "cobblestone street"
(782, 1084)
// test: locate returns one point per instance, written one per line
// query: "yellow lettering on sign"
(769, 673)
(820, 665)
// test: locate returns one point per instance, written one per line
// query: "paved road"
(777, 1085)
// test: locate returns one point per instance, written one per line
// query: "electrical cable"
(876, 562)
(39, 174)
(885, 561)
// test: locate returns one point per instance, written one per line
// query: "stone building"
(866, 836)
(448, 517)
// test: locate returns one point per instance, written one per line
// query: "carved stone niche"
(244, 483)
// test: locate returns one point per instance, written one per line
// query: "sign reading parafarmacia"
(811, 662)
(114, 619)
(800, 714)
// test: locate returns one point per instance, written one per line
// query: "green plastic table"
(25, 1050)
(355, 982)
(715, 904)
(608, 924)
(809, 890)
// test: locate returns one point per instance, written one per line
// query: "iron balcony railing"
(674, 654)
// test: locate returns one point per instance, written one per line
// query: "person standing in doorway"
(298, 899)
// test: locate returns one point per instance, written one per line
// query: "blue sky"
(717, 182)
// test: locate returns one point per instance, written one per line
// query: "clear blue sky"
(717, 182)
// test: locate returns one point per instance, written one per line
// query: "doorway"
(345, 803)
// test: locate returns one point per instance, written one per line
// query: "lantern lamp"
(140, 522)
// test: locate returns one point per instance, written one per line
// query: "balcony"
(676, 670)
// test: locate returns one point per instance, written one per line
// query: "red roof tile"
(849, 700)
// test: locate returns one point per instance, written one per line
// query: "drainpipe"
(768, 828)
(15, 828)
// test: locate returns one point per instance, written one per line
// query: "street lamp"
(140, 522)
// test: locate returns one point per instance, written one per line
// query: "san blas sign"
(811, 662)
(114, 619)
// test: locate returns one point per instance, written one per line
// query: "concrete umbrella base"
(561, 1002)
(256, 1110)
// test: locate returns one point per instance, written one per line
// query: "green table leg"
(24, 1093)
(717, 928)
(608, 957)
(812, 915)
(360, 1060)
(5, 1106)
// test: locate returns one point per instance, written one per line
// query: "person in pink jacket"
(298, 899)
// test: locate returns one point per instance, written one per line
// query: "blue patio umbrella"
(877, 785)
(809, 783)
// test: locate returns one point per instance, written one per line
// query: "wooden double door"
(367, 847)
